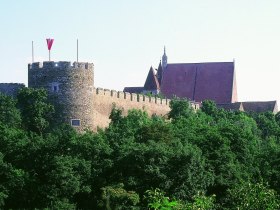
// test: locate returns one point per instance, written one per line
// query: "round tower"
(70, 85)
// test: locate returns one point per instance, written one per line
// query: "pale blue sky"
(124, 38)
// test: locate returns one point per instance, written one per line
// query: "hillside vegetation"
(209, 159)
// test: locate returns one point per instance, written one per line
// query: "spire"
(164, 59)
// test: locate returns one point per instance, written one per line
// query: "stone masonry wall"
(72, 86)
(10, 89)
(69, 85)
(104, 100)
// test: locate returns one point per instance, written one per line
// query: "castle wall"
(10, 89)
(104, 100)
(82, 105)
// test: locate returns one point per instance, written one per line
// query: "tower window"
(55, 87)
(76, 122)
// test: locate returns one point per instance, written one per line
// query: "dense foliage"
(209, 159)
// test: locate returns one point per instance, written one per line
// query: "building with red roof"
(197, 82)
(194, 81)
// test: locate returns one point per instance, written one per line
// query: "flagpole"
(77, 50)
(32, 53)
(49, 55)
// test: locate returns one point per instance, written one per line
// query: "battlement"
(119, 95)
(60, 65)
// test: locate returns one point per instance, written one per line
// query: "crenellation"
(152, 99)
(51, 65)
(114, 94)
(48, 64)
(126, 95)
(75, 88)
(134, 97)
(99, 91)
(90, 65)
(107, 92)
(36, 65)
(76, 65)
(167, 101)
(72, 84)
(120, 94)
(140, 98)
(81, 65)
(63, 64)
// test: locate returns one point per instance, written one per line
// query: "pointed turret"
(164, 60)
(151, 84)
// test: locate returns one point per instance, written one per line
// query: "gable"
(151, 81)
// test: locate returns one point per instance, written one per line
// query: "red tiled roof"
(151, 81)
(200, 81)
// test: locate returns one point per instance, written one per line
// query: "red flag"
(49, 43)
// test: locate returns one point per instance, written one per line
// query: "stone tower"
(71, 86)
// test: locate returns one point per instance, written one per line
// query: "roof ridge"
(201, 63)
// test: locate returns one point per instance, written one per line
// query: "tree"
(269, 161)
(202, 202)
(157, 200)
(9, 114)
(248, 196)
(11, 180)
(209, 107)
(116, 197)
(180, 108)
(35, 110)
(267, 124)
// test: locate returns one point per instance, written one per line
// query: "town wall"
(10, 89)
(105, 99)
(72, 87)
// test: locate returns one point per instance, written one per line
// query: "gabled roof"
(133, 89)
(151, 81)
(260, 106)
(232, 106)
(251, 106)
(200, 81)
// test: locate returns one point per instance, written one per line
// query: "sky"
(124, 38)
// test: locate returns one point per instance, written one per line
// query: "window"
(75, 122)
(55, 87)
